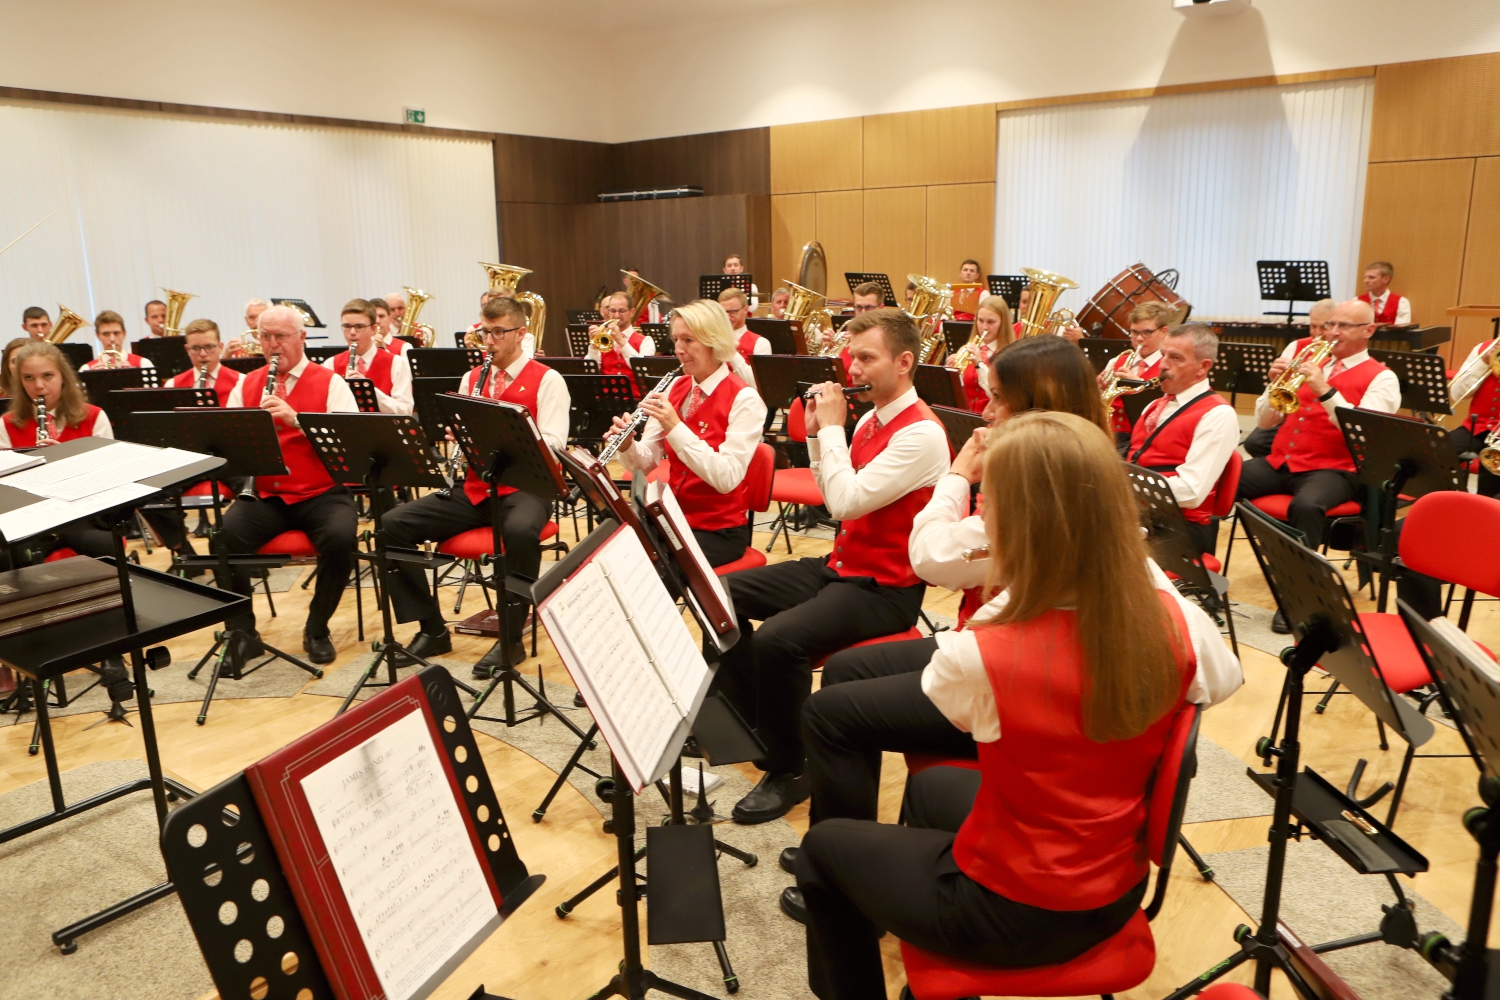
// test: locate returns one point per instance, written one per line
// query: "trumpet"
(848, 390)
(42, 434)
(112, 359)
(1282, 393)
(637, 420)
(968, 354)
(603, 337)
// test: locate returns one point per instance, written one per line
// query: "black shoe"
(491, 660)
(202, 530)
(578, 701)
(772, 798)
(690, 747)
(319, 647)
(793, 905)
(427, 645)
(788, 858)
(1279, 625)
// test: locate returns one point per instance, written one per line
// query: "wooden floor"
(538, 957)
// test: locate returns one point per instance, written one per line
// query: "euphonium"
(503, 279)
(641, 293)
(930, 305)
(1045, 288)
(176, 304)
(415, 300)
(68, 322)
(836, 345)
(1282, 393)
(249, 345)
(806, 307)
(1474, 372)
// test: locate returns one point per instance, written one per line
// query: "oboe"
(270, 389)
(42, 434)
(202, 377)
(454, 464)
(848, 390)
(637, 420)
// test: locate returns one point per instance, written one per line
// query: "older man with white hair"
(395, 304)
(304, 498)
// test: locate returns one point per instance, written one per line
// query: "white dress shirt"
(957, 683)
(99, 362)
(723, 469)
(916, 456)
(1118, 361)
(340, 396)
(1382, 395)
(1214, 440)
(552, 400)
(622, 345)
(941, 532)
(102, 428)
(1403, 307)
(400, 400)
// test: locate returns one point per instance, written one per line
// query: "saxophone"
(42, 434)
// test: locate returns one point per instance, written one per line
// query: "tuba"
(1470, 375)
(1282, 393)
(503, 279)
(1045, 288)
(67, 324)
(930, 305)
(642, 293)
(415, 300)
(176, 304)
(807, 307)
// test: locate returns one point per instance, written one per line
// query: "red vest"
(1310, 439)
(746, 345)
(24, 436)
(397, 346)
(1117, 417)
(1484, 405)
(974, 393)
(1386, 316)
(131, 361)
(377, 369)
(305, 477)
(612, 363)
(224, 382)
(1060, 821)
(522, 392)
(846, 359)
(706, 508)
(1168, 447)
(876, 544)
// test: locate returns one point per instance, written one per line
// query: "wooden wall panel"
(543, 237)
(817, 156)
(896, 233)
(942, 146)
(1416, 217)
(1437, 108)
(1481, 276)
(794, 221)
(736, 162)
(557, 171)
(841, 230)
(960, 224)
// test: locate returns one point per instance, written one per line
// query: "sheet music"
(669, 503)
(398, 843)
(44, 515)
(658, 622)
(15, 461)
(118, 464)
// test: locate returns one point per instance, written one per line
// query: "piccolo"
(977, 553)
(848, 390)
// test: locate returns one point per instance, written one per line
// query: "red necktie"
(281, 386)
(694, 401)
(1337, 369)
(869, 429)
(498, 383)
(359, 365)
(1154, 414)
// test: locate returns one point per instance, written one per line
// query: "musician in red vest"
(512, 378)
(1484, 415)
(201, 340)
(991, 322)
(1148, 325)
(395, 311)
(706, 427)
(969, 274)
(628, 341)
(1068, 690)
(737, 305)
(1189, 433)
(391, 373)
(865, 588)
(109, 327)
(43, 373)
(304, 498)
(1389, 308)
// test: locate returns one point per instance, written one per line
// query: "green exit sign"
(416, 116)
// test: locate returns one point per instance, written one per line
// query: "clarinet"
(637, 420)
(42, 436)
(353, 370)
(270, 389)
(454, 464)
(202, 377)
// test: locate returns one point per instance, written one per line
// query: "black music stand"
(122, 404)
(1311, 592)
(78, 355)
(956, 333)
(660, 333)
(98, 383)
(246, 442)
(1398, 457)
(1009, 287)
(578, 338)
(651, 370)
(856, 278)
(959, 423)
(1102, 350)
(940, 386)
(425, 406)
(778, 375)
(310, 318)
(431, 362)
(364, 393)
(1424, 380)
(244, 365)
(785, 335)
(1292, 281)
(168, 354)
(1241, 368)
(503, 446)
(569, 365)
(710, 285)
(595, 401)
(322, 352)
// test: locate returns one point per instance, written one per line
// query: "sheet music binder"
(710, 285)
(709, 600)
(598, 487)
(251, 847)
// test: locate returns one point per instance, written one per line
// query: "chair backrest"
(1168, 797)
(1455, 537)
(1228, 485)
(796, 422)
(759, 476)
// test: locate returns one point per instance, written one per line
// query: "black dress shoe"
(1279, 625)
(788, 858)
(319, 647)
(491, 660)
(426, 646)
(690, 747)
(793, 905)
(772, 798)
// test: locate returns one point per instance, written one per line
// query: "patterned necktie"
(1154, 414)
(281, 386)
(1337, 369)
(499, 382)
(694, 401)
(869, 429)
(359, 365)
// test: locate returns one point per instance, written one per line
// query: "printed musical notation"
(397, 841)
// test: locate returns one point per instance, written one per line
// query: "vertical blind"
(1206, 183)
(234, 210)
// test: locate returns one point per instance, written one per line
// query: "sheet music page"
(680, 524)
(101, 469)
(44, 515)
(658, 622)
(15, 461)
(397, 841)
(603, 653)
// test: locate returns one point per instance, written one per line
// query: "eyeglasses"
(496, 332)
(202, 348)
(1341, 327)
(354, 327)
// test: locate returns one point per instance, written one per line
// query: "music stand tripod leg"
(587, 743)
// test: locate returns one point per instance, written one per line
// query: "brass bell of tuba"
(641, 292)
(415, 300)
(931, 303)
(68, 323)
(805, 306)
(1045, 288)
(503, 279)
(176, 304)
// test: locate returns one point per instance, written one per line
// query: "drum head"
(1108, 311)
(813, 273)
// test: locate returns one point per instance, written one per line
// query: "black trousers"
(1313, 493)
(725, 545)
(871, 701)
(859, 877)
(328, 519)
(1257, 443)
(1205, 536)
(436, 517)
(806, 611)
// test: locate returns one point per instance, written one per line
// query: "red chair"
(758, 479)
(1230, 991)
(475, 548)
(1119, 963)
(910, 633)
(1224, 491)
(297, 545)
(1455, 537)
(1276, 505)
(797, 487)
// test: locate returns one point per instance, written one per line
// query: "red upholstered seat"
(1453, 536)
(1229, 991)
(479, 542)
(202, 490)
(916, 763)
(796, 486)
(1393, 649)
(796, 421)
(289, 543)
(1276, 504)
(752, 558)
(760, 475)
(910, 633)
(62, 553)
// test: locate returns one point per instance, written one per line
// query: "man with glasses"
(736, 304)
(1148, 326)
(203, 350)
(1257, 443)
(1308, 457)
(391, 373)
(512, 378)
(628, 341)
(304, 498)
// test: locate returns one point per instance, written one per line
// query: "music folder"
(705, 592)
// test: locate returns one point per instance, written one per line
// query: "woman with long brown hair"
(41, 372)
(1067, 683)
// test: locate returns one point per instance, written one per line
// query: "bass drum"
(1107, 313)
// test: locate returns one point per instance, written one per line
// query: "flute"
(848, 390)
(977, 553)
